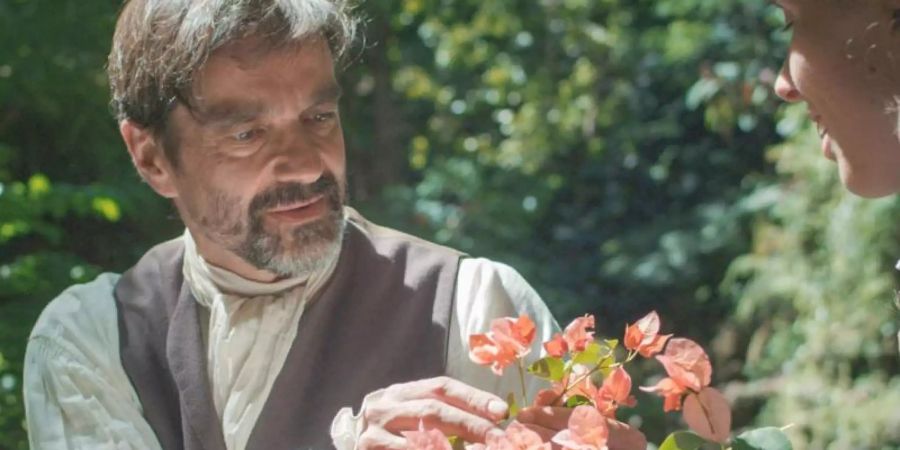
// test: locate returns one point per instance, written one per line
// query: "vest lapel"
(184, 350)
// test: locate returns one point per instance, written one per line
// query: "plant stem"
(569, 386)
(522, 382)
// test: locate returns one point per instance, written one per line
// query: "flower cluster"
(584, 374)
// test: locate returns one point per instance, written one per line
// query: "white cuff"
(346, 428)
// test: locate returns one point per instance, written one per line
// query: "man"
(279, 311)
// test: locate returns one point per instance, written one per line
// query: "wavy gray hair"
(159, 45)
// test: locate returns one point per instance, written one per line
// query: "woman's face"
(841, 64)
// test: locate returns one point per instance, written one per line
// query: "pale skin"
(843, 63)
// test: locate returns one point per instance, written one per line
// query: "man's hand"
(548, 420)
(451, 406)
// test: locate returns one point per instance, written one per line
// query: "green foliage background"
(624, 155)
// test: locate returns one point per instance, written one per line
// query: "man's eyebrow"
(330, 93)
(225, 113)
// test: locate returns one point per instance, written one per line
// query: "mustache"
(288, 193)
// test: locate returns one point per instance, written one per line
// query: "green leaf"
(768, 438)
(682, 440)
(38, 185)
(611, 344)
(513, 406)
(108, 208)
(456, 443)
(548, 368)
(591, 355)
(577, 400)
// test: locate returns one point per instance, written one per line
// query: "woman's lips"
(824, 137)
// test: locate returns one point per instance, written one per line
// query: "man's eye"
(324, 117)
(247, 135)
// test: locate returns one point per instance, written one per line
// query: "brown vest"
(381, 319)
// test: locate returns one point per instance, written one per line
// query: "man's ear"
(148, 158)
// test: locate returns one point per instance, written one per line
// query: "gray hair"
(159, 45)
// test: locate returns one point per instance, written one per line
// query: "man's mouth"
(300, 212)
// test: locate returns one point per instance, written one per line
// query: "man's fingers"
(436, 414)
(375, 438)
(455, 393)
(552, 417)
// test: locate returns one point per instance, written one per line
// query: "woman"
(843, 63)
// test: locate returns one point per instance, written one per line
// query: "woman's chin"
(868, 185)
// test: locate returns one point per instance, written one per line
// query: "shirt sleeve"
(485, 290)
(77, 395)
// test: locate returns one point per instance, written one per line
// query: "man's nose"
(784, 85)
(298, 160)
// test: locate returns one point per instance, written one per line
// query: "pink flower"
(517, 437)
(587, 430)
(643, 336)
(575, 338)
(578, 383)
(557, 346)
(426, 439)
(615, 392)
(687, 363)
(671, 392)
(547, 397)
(688, 368)
(574, 383)
(508, 340)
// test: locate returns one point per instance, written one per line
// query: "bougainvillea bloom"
(547, 397)
(516, 437)
(577, 334)
(587, 430)
(671, 392)
(575, 338)
(578, 383)
(687, 363)
(643, 336)
(615, 392)
(557, 346)
(508, 340)
(688, 368)
(426, 439)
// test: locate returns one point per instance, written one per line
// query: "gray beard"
(312, 247)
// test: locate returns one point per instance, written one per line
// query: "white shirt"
(78, 396)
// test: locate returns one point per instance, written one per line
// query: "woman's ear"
(148, 158)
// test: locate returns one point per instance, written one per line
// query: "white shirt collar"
(207, 280)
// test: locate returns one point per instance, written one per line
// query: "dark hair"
(159, 45)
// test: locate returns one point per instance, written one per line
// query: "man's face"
(261, 170)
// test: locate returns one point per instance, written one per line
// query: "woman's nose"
(784, 85)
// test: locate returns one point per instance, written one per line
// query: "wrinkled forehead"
(244, 72)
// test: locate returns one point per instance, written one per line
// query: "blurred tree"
(815, 303)
(70, 205)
